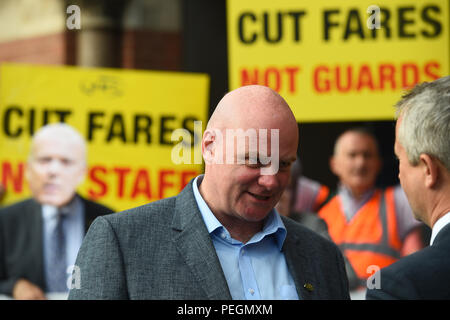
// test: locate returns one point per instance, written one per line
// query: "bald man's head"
(250, 116)
(253, 127)
(56, 165)
(356, 161)
(251, 105)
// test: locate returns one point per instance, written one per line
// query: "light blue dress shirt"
(256, 269)
(73, 227)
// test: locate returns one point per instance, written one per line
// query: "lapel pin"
(309, 287)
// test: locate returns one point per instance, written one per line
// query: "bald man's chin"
(420, 217)
(256, 213)
(55, 200)
(255, 216)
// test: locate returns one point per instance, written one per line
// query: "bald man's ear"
(209, 146)
(333, 166)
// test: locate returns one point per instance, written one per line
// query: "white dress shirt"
(441, 223)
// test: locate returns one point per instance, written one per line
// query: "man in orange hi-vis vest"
(373, 227)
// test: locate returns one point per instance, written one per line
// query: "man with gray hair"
(372, 226)
(423, 147)
(40, 237)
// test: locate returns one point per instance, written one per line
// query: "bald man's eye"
(368, 155)
(67, 162)
(284, 165)
(43, 160)
(252, 165)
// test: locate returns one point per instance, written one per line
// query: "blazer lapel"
(194, 244)
(443, 235)
(89, 213)
(300, 266)
(35, 229)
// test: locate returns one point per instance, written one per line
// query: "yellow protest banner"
(338, 60)
(127, 118)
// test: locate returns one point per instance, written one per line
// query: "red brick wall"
(140, 49)
(48, 49)
(157, 50)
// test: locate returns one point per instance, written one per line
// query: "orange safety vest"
(370, 237)
(322, 195)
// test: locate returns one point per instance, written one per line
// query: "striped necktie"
(56, 276)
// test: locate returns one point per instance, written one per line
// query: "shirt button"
(223, 235)
(252, 292)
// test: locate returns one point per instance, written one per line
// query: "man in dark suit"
(40, 237)
(423, 148)
(220, 238)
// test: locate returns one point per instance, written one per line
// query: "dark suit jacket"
(163, 250)
(21, 241)
(422, 275)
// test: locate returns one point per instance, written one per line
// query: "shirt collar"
(439, 225)
(272, 225)
(50, 212)
(346, 192)
(208, 217)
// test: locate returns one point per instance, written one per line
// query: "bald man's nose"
(269, 181)
(54, 167)
(360, 160)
